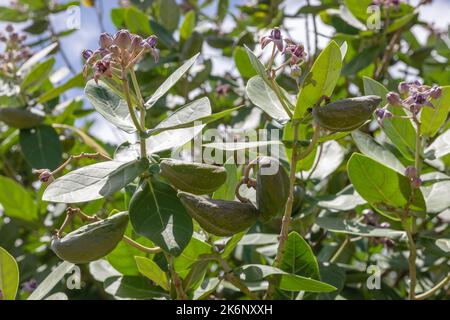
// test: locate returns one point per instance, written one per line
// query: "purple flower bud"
(411, 172)
(151, 42)
(393, 98)
(275, 34)
(136, 43)
(416, 183)
(30, 285)
(223, 89)
(436, 92)
(105, 40)
(87, 54)
(122, 39)
(403, 87)
(46, 176)
(296, 71)
(9, 28)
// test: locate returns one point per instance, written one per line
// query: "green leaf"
(401, 132)
(94, 181)
(207, 286)
(262, 95)
(361, 61)
(51, 281)
(320, 80)
(190, 254)
(132, 287)
(187, 116)
(334, 275)
(367, 145)
(373, 87)
(41, 147)
(243, 63)
(157, 214)
(433, 118)
(440, 146)
(222, 9)
(401, 22)
(170, 81)
(299, 259)
(179, 128)
(75, 81)
(151, 270)
(343, 201)
(37, 75)
(358, 8)
(443, 244)
(235, 146)
(109, 105)
(169, 14)
(436, 195)
(289, 282)
(188, 25)
(137, 21)
(380, 185)
(196, 274)
(257, 65)
(9, 275)
(16, 201)
(12, 15)
(227, 190)
(232, 243)
(165, 37)
(346, 226)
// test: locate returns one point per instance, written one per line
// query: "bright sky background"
(87, 36)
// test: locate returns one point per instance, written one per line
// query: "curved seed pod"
(219, 217)
(272, 190)
(196, 178)
(21, 118)
(346, 114)
(93, 241)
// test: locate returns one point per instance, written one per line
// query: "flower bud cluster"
(15, 51)
(295, 52)
(121, 51)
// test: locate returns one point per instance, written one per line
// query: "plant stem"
(140, 247)
(288, 210)
(181, 295)
(275, 88)
(231, 277)
(433, 290)
(126, 90)
(83, 155)
(142, 111)
(339, 251)
(410, 230)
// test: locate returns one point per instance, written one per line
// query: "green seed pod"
(21, 118)
(93, 241)
(219, 217)
(272, 190)
(346, 114)
(196, 178)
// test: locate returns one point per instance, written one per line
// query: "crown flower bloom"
(296, 51)
(416, 96)
(118, 52)
(275, 37)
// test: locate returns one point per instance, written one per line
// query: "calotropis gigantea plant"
(164, 217)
